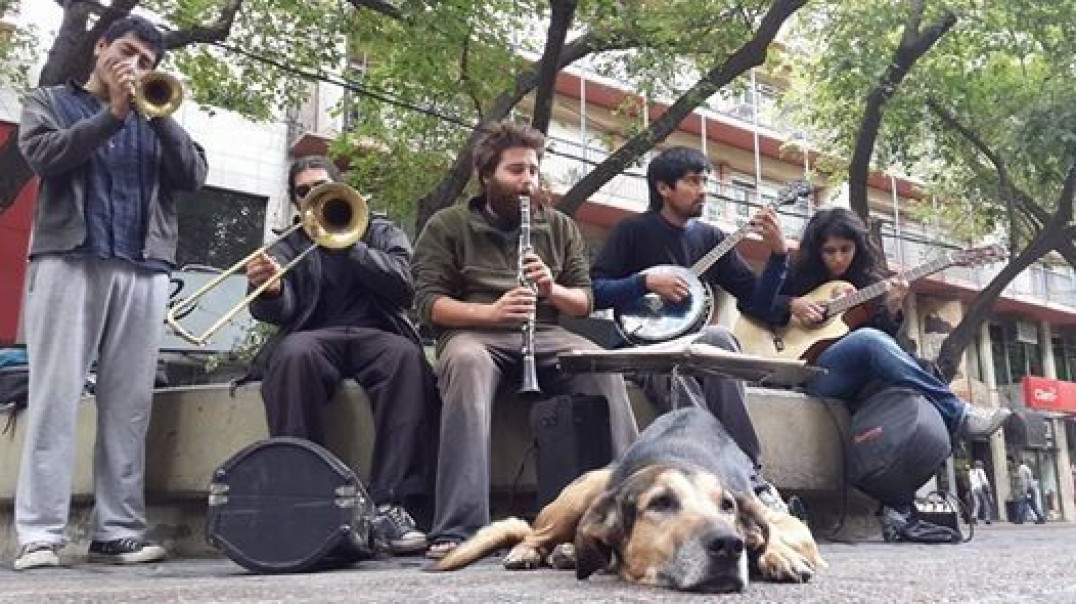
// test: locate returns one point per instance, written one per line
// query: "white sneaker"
(37, 555)
(981, 423)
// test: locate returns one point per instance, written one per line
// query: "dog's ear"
(596, 536)
(752, 523)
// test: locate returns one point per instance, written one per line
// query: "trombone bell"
(334, 216)
(157, 94)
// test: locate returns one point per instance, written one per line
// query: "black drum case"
(285, 505)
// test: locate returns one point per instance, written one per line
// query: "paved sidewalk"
(1004, 563)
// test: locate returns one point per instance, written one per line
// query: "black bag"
(14, 387)
(917, 526)
(571, 434)
(285, 505)
(898, 442)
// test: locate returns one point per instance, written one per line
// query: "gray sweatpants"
(470, 369)
(81, 309)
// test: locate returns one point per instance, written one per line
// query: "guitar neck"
(719, 250)
(877, 289)
(788, 195)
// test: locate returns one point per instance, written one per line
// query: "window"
(998, 356)
(218, 227)
(1013, 358)
(1065, 358)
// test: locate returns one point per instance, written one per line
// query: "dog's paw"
(523, 557)
(563, 556)
(785, 565)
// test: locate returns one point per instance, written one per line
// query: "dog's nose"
(724, 545)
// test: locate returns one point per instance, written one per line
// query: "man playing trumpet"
(469, 288)
(342, 313)
(104, 241)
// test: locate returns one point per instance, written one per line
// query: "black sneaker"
(125, 551)
(393, 525)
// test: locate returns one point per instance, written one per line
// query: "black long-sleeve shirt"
(645, 240)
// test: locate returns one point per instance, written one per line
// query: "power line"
(388, 98)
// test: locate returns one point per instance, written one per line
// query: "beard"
(502, 201)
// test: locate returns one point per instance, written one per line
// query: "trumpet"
(334, 216)
(530, 374)
(156, 94)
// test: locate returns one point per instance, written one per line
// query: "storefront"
(1037, 435)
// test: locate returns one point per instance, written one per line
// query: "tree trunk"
(455, 180)
(560, 21)
(913, 45)
(751, 54)
(968, 329)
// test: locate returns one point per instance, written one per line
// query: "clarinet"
(530, 374)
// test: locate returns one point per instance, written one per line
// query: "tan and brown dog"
(677, 511)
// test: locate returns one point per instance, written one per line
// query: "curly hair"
(499, 137)
(810, 268)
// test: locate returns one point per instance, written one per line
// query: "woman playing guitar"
(835, 247)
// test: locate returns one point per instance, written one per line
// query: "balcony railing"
(730, 206)
(1037, 281)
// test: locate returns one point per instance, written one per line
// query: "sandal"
(441, 548)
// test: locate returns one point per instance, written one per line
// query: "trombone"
(156, 94)
(334, 216)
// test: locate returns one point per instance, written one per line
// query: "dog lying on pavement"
(677, 510)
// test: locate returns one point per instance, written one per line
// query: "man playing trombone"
(342, 313)
(104, 241)
(476, 291)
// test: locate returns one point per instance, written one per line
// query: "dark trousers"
(302, 376)
(723, 396)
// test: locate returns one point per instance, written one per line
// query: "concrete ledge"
(193, 430)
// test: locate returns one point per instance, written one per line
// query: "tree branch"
(560, 21)
(382, 7)
(751, 54)
(913, 45)
(214, 32)
(1008, 188)
(979, 310)
(465, 80)
(452, 184)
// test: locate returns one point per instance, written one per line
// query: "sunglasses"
(301, 191)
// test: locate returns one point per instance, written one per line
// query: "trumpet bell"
(158, 94)
(334, 215)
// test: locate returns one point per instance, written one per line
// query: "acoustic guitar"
(651, 319)
(843, 311)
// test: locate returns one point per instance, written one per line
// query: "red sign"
(15, 224)
(1049, 395)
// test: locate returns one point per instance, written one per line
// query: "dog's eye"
(663, 503)
(728, 504)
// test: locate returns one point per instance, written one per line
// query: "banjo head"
(651, 319)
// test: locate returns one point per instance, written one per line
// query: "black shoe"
(125, 551)
(393, 525)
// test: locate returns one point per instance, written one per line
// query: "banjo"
(651, 319)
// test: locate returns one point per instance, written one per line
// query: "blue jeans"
(869, 354)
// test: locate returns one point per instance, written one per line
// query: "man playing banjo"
(667, 233)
